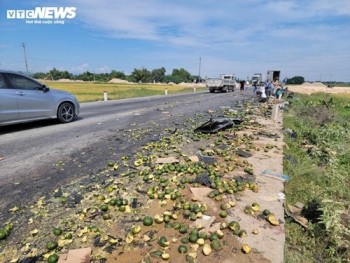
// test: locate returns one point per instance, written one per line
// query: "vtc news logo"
(43, 13)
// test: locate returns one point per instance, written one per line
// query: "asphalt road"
(41, 155)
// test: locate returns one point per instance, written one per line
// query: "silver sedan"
(23, 99)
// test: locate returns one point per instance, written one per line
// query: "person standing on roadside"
(279, 92)
(284, 82)
(267, 85)
(255, 85)
(270, 89)
(242, 82)
(262, 94)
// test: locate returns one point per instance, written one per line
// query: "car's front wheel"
(66, 112)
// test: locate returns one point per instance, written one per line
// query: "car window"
(2, 83)
(21, 82)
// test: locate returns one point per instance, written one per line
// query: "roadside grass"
(342, 96)
(342, 84)
(317, 160)
(90, 91)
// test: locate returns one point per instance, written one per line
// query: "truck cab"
(257, 78)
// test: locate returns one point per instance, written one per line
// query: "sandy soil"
(267, 242)
(270, 239)
(316, 87)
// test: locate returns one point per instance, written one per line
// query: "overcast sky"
(309, 38)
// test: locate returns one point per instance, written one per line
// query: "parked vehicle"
(257, 78)
(23, 99)
(224, 83)
(273, 75)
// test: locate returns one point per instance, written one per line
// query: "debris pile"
(172, 200)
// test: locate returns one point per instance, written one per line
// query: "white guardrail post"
(166, 91)
(105, 96)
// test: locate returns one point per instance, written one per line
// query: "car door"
(8, 102)
(33, 101)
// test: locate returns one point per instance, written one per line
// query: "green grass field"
(89, 91)
(317, 160)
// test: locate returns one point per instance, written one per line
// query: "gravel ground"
(56, 194)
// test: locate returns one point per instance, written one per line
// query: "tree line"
(142, 75)
(296, 80)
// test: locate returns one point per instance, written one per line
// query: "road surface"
(42, 155)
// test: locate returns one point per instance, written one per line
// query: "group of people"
(267, 90)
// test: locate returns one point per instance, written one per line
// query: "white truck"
(224, 83)
(273, 75)
(258, 79)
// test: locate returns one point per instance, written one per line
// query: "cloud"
(81, 68)
(205, 23)
(152, 20)
(331, 7)
(103, 69)
(129, 19)
(238, 36)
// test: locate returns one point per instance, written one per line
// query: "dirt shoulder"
(232, 175)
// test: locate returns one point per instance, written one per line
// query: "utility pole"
(200, 62)
(25, 58)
